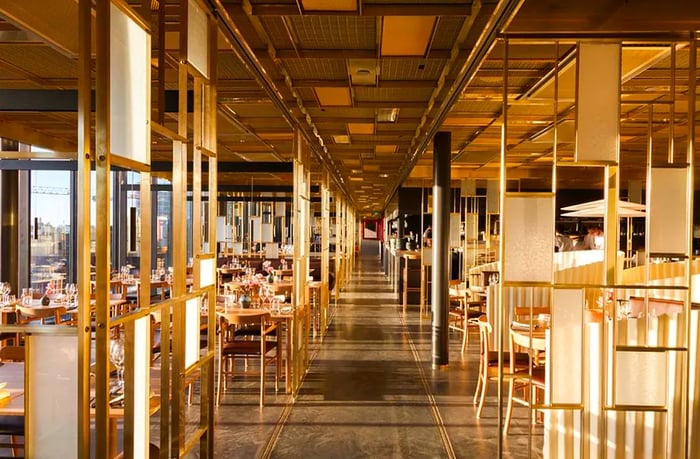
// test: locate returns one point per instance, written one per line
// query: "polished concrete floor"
(371, 392)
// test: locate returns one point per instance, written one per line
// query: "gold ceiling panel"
(329, 5)
(361, 128)
(333, 97)
(406, 35)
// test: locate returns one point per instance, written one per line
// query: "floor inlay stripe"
(435, 411)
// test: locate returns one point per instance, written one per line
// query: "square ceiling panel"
(333, 97)
(385, 149)
(361, 128)
(406, 35)
(329, 5)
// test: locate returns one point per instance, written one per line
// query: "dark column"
(440, 295)
(9, 232)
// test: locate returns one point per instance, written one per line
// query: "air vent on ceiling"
(363, 72)
(387, 115)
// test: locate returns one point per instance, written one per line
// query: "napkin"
(4, 394)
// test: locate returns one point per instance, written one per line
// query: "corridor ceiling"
(369, 82)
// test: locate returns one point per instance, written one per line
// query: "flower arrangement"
(267, 267)
(250, 284)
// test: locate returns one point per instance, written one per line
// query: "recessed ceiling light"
(384, 175)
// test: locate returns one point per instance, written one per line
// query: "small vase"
(45, 300)
(244, 301)
(271, 278)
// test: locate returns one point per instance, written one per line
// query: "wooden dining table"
(530, 338)
(283, 318)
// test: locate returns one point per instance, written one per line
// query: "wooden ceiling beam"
(393, 9)
(347, 54)
(28, 136)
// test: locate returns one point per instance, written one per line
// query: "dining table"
(283, 317)
(529, 337)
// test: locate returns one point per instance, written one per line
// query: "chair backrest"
(525, 314)
(247, 318)
(27, 315)
(485, 331)
(12, 354)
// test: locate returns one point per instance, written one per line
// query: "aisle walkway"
(371, 393)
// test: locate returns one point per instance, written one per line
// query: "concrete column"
(440, 295)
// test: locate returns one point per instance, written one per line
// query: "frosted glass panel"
(52, 396)
(192, 311)
(598, 107)
(141, 385)
(427, 256)
(472, 226)
(668, 232)
(279, 209)
(207, 267)
(566, 350)
(455, 224)
(272, 251)
(257, 229)
(130, 88)
(266, 232)
(224, 232)
(492, 197)
(528, 229)
(468, 187)
(640, 378)
(197, 38)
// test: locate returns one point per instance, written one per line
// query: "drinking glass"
(71, 289)
(5, 291)
(116, 356)
(27, 296)
(275, 306)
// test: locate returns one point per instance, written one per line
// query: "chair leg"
(218, 382)
(465, 333)
(484, 389)
(262, 380)
(479, 383)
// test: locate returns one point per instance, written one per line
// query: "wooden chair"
(461, 316)
(28, 315)
(488, 363)
(12, 426)
(12, 354)
(232, 346)
(529, 380)
(528, 315)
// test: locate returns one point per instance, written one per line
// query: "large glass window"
(50, 228)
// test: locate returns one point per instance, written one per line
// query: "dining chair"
(488, 363)
(233, 345)
(461, 316)
(529, 380)
(27, 315)
(526, 314)
(12, 426)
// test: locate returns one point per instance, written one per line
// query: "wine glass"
(116, 356)
(71, 289)
(4, 291)
(266, 295)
